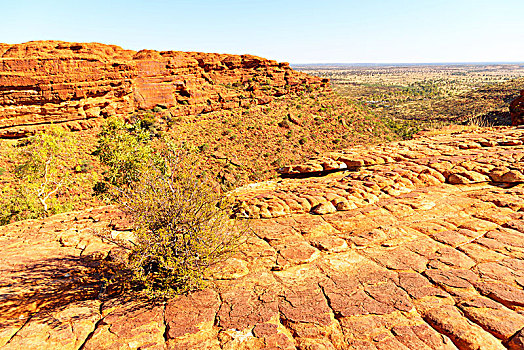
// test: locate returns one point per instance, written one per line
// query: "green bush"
(15, 206)
(182, 226)
(405, 129)
(123, 147)
(181, 223)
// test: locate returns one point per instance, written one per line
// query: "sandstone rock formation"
(516, 109)
(54, 81)
(389, 170)
(420, 245)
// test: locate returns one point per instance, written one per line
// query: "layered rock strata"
(434, 264)
(55, 82)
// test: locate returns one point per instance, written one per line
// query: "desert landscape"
(429, 95)
(369, 213)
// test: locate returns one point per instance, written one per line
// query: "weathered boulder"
(516, 109)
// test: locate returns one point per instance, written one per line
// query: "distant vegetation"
(430, 94)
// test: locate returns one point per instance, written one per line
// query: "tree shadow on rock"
(42, 290)
(50, 285)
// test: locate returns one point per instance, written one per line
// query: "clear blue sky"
(297, 31)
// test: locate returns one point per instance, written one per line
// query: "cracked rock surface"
(420, 247)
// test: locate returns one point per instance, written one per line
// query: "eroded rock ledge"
(379, 172)
(53, 81)
(429, 263)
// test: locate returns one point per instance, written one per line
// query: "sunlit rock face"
(53, 81)
(421, 247)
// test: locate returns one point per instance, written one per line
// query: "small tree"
(44, 169)
(182, 226)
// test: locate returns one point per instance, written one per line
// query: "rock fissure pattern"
(427, 252)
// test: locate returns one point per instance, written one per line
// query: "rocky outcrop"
(419, 261)
(492, 156)
(54, 82)
(516, 109)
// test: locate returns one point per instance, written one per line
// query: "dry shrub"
(182, 225)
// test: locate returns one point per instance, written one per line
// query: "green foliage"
(123, 147)
(405, 129)
(181, 225)
(16, 206)
(42, 173)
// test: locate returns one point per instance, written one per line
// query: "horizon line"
(406, 63)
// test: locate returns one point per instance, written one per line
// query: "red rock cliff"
(53, 81)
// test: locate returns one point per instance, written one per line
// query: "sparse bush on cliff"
(181, 222)
(404, 129)
(123, 147)
(181, 225)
